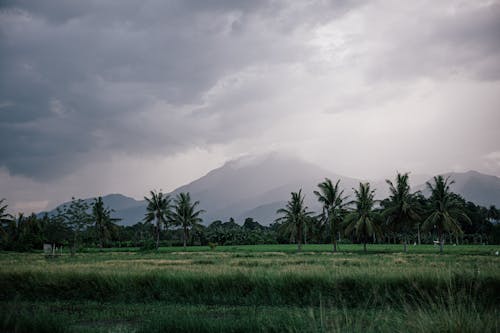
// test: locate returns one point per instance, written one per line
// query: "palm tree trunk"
(418, 233)
(299, 237)
(405, 242)
(73, 251)
(185, 236)
(157, 233)
(441, 242)
(334, 239)
(305, 234)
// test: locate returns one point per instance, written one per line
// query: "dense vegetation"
(403, 218)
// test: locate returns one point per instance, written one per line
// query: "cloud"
(96, 84)
(79, 75)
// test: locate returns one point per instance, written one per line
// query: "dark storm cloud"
(77, 76)
(83, 79)
(444, 42)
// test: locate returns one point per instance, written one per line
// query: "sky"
(126, 96)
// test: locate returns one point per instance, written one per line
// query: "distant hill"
(256, 186)
(130, 210)
(474, 186)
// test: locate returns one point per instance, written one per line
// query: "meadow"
(261, 288)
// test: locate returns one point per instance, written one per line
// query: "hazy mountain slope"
(479, 188)
(256, 186)
(245, 184)
(126, 208)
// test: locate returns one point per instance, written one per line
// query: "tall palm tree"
(5, 218)
(104, 223)
(294, 215)
(445, 209)
(185, 214)
(401, 209)
(158, 209)
(333, 206)
(493, 213)
(363, 220)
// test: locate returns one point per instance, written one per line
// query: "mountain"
(256, 186)
(479, 188)
(128, 209)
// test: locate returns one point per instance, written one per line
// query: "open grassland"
(254, 288)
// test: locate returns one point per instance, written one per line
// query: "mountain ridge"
(256, 186)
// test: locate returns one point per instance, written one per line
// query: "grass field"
(267, 288)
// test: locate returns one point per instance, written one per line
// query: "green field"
(267, 288)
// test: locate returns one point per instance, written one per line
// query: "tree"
(362, 221)
(332, 199)
(158, 209)
(251, 224)
(294, 215)
(77, 218)
(104, 223)
(493, 213)
(445, 209)
(185, 214)
(55, 230)
(401, 209)
(5, 220)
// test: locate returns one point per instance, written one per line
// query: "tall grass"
(455, 314)
(16, 320)
(250, 291)
(288, 280)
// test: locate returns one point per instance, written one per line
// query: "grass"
(345, 248)
(268, 288)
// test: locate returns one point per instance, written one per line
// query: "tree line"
(404, 217)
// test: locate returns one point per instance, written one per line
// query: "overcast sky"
(100, 97)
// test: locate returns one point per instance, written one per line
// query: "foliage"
(79, 225)
(105, 226)
(158, 209)
(76, 217)
(294, 217)
(445, 209)
(332, 199)
(5, 219)
(185, 214)
(401, 209)
(363, 221)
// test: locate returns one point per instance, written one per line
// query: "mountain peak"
(251, 160)
(257, 185)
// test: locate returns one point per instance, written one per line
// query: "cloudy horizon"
(106, 97)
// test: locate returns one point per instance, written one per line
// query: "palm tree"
(158, 209)
(445, 209)
(401, 209)
(493, 213)
(104, 223)
(4, 218)
(185, 214)
(362, 221)
(333, 206)
(294, 215)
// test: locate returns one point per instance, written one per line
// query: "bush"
(148, 245)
